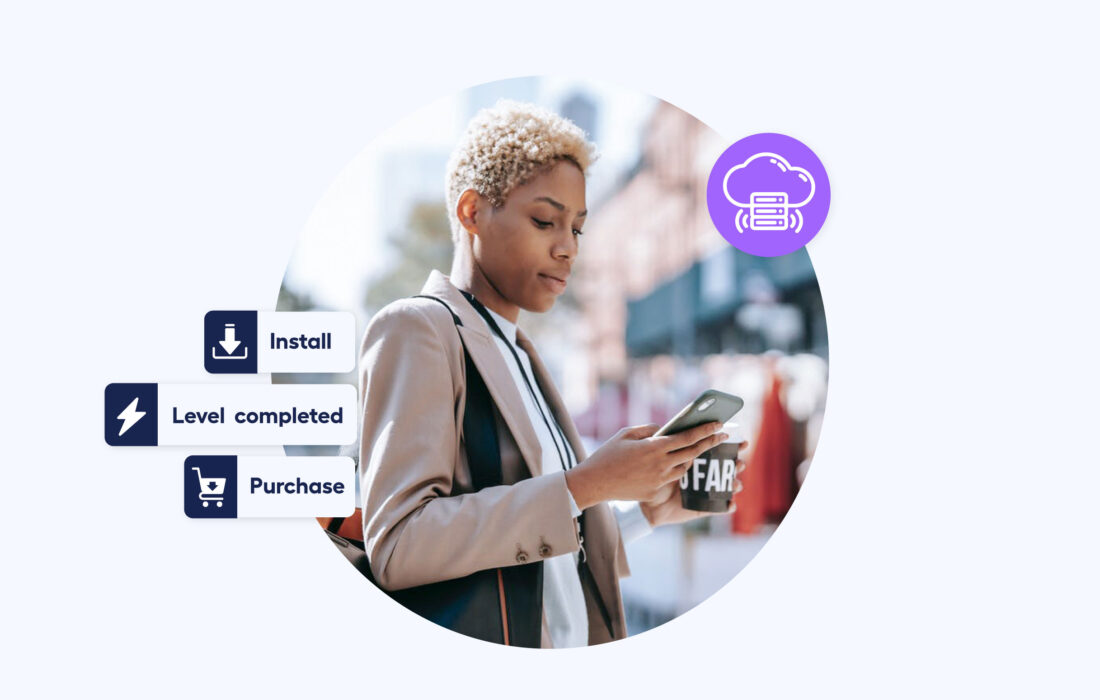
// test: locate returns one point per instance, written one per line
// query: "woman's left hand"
(665, 509)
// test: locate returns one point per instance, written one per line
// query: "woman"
(516, 201)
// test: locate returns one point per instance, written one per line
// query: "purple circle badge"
(768, 194)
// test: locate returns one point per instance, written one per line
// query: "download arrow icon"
(230, 342)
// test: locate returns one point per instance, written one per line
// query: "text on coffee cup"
(711, 475)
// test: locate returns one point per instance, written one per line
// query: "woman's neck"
(466, 274)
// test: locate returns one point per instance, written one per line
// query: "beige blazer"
(422, 522)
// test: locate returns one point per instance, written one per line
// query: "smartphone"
(711, 405)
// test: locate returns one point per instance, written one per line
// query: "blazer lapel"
(487, 357)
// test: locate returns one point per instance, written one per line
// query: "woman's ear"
(468, 210)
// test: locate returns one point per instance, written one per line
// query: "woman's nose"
(568, 247)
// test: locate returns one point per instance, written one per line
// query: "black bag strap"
(478, 423)
(521, 584)
(583, 570)
(478, 612)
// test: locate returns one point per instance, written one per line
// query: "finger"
(740, 466)
(737, 486)
(674, 473)
(670, 479)
(638, 432)
(663, 493)
(690, 452)
(732, 508)
(688, 437)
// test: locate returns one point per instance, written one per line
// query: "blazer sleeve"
(414, 529)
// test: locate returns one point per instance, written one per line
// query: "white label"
(256, 414)
(295, 487)
(305, 341)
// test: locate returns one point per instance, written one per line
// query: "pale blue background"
(157, 163)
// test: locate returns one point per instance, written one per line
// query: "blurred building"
(662, 290)
(669, 309)
(581, 110)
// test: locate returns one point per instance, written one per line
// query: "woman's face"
(527, 247)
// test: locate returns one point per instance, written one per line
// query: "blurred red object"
(767, 479)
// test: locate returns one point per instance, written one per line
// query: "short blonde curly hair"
(504, 146)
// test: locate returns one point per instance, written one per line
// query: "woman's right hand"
(633, 465)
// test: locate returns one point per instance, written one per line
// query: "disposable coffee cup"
(707, 485)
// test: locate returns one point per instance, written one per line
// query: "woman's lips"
(557, 286)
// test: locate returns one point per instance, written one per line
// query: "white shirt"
(562, 595)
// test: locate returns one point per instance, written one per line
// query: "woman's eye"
(578, 232)
(542, 224)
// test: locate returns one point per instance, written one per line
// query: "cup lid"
(734, 430)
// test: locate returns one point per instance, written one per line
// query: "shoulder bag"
(502, 605)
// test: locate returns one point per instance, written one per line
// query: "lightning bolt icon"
(129, 416)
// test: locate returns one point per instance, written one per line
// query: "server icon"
(768, 211)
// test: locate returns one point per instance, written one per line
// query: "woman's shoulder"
(410, 319)
(413, 343)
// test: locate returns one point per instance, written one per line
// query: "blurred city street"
(675, 570)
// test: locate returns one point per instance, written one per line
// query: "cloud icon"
(768, 173)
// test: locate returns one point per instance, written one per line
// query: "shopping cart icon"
(210, 479)
(210, 490)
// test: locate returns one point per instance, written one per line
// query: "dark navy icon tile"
(210, 486)
(229, 342)
(130, 414)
